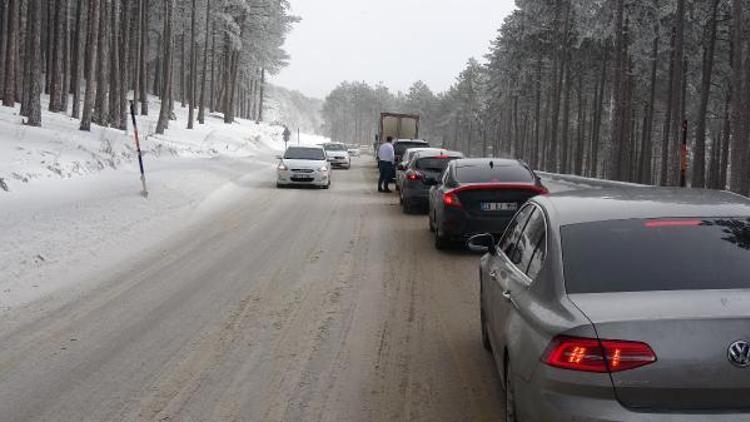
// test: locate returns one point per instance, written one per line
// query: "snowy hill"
(293, 109)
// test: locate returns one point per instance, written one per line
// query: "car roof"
(497, 162)
(304, 147)
(621, 203)
(435, 152)
(414, 141)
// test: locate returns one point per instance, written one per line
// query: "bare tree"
(193, 70)
(92, 48)
(34, 57)
(168, 41)
(9, 96)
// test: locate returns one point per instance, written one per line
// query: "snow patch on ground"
(70, 204)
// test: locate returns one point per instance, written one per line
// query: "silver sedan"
(621, 305)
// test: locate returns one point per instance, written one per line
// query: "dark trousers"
(387, 173)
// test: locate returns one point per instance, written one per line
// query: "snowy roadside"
(71, 207)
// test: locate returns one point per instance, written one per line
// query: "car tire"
(485, 333)
(280, 185)
(510, 395)
(407, 207)
(441, 242)
(328, 185)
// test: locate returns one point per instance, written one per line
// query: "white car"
(304, 166)
(354, 150)
(338, 155)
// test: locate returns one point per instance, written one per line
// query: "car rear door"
(501, 273)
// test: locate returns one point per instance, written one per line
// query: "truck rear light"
(592, 355)
(450, 199)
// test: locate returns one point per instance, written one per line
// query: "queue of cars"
(618, 304)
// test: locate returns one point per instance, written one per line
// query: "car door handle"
(506, 295)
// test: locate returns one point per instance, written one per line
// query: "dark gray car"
(425, 167)
(621, 305)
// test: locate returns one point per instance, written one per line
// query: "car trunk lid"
(496, 199)
(690, 332)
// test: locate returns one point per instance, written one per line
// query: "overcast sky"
(393, 41)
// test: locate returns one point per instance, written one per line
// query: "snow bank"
(60, 150)
(70, 207)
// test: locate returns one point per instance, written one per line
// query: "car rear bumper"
(339, 161)
(460, 225)
(415, 195)
(554, 401)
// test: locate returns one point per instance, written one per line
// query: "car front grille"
(302, 170)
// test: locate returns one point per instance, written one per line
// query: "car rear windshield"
(484, 173)
(662, 254)
(401, 147)
(334, 147)
(437, 164)
(305, 154)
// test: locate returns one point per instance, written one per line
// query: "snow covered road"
(252, 304)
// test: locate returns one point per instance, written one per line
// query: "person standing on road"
(386, 158)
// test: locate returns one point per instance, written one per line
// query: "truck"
(397, 126)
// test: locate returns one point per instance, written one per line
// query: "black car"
(424, 168)
(401, 145)
(479, 195)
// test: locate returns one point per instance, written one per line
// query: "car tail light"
(673, 223)
(450, 199)
(414, 175)
(592, 355)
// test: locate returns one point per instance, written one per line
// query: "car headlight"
(323, 169)
(282, 167)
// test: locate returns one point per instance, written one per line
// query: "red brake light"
(451, 200)
(592, 355)
(413, 175)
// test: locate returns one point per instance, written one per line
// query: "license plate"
(302, 179)
(499, 206)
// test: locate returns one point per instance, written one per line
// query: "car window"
(446, 176)
(662, 254)
(484, 173)
(513, 232)
(537, 258)
(524, 250)
(302, 153)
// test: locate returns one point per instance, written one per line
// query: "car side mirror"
(482, 243)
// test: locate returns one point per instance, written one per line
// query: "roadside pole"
(144, 192)
(684, 155)
(298, 141)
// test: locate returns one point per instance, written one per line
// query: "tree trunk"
(9, 96)
(101, 114)
(56, 86)
(125, 65)
(3, 38)
(617, 138)
(193, 69)
(166, 95)
(66, 60)
(34, 57)
(77, 73)
(699, 154)
(204, 75)
(182, 69)
(261, 94)
(92, 48)
(142, 65)
(115, 69)
(676, 87)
